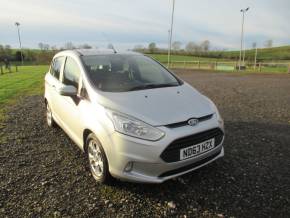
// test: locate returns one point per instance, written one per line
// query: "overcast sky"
(130, 22)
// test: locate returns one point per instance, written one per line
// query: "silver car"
(134, 119)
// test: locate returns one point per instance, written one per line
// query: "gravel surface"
(43, 173)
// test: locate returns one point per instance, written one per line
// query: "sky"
(127, 23)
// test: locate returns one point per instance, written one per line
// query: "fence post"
(260, 67)
(184, 64)
(1, 69)
(198, 64)
(289, 68)
(216, 65)
(16, 68)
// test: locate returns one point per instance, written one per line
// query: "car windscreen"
(122, 73)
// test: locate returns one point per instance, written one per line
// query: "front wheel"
(97, 159)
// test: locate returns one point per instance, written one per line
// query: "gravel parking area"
(42, 173)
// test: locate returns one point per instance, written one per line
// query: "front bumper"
(145, 156)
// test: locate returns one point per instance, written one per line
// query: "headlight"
(133, 127)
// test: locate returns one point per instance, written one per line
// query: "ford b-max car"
(134, 119)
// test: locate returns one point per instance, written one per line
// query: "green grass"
(28, 81)
(275, 54)
(163, 58)
(265, 54)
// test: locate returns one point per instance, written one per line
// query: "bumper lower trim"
(190, 166)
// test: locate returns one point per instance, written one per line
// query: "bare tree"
(43, 46)
(192, 47)
(138, 48)
(254, 45)
(205, 45)
(69, 45)
(54, 48)
(46, 47)
(176, 45)
(152, 47)
(110, 46)
(85, 46)
(269, 43)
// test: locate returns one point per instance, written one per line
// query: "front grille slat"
(172, 152)
(185, 123)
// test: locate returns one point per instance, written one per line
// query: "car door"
(52, 82)
(69, 105)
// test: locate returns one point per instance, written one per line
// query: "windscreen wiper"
(153, 86)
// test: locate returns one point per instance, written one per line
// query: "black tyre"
(49, 118)
(97, 160)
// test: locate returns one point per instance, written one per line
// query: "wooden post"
(216, 65)
(260, 67)
(1, 69)
(289, 68)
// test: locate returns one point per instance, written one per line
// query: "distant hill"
(264, 54)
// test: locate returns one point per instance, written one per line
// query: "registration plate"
(197, 149)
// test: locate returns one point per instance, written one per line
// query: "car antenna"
(110, 46)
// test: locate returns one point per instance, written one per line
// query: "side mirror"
(67, 90)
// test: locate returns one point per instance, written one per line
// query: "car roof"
(90, 52)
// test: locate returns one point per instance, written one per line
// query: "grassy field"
(275, 54)
(28, 81)
(211, 63)
(163, 58)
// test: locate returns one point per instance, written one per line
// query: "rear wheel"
(49, 118)
(97, 159)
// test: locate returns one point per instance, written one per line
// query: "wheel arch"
(86, 133)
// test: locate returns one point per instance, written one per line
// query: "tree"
(43, 47)
(6, 51)
(138, 48)
(191, 47)
(40, 45)
(18, 56)
(85, 46)
(152, 47)
(29, 55)
(254, 45)
(176, 45)
(110, 46)
(205, 45)
(269, 43)
(54, 48)
(69, 45)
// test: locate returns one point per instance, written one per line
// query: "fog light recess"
(129, 167)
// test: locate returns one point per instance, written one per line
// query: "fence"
(230, 66)
(205, 65)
